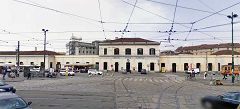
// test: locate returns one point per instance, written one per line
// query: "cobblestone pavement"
(119, 91)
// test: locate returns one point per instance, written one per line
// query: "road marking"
(135, 79)
(155, 80)
(130, 79)
(151, 80)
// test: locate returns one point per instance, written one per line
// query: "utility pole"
(232, 17)
(18, 57)
(44, 56)
(206, 62)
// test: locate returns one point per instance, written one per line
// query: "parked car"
(83, 70)
(195, 70)
(69, 73)
(94, 72)
(229, 100)
(6, 88)
(143, 71)
(13, 101)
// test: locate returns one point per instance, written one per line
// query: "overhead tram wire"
(200, 1)
(125, 29)
(167, 18)
(100, 14)
(214, 26)
(146, 23)
(146, 10)
(216, 12)
(184, 7)
(209, 16)
(55, 10)
(85, 19)
(189, 32)
(173, 21)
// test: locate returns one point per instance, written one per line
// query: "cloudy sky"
(23, 20)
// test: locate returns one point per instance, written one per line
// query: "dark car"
(230, 100)
(143, 71)
(12, 101)
(6, 88)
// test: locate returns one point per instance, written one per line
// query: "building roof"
(29, 53)
(131, 40)
(207, 46)
(225, 52)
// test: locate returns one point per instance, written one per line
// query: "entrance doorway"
(174, 67)
(116, 66)
(97, 65)
(186, 67)
(128, 66)
(139, 67)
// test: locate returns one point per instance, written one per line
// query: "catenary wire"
(100, 14)
(125, 29)
(216, 12)
(185, 7)
(55, 10)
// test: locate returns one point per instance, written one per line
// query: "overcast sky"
(24, 22)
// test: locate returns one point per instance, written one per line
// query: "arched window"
(139, 51)
(116, 51)
(127, 51)
(152, 51)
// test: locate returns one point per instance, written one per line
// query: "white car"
(94, 72)
(69, 73)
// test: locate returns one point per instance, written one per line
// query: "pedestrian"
(29, 75)
(4, 72)
(225, 75)
(205, 75)
(193, 73)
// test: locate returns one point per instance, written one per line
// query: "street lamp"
(44, 56)
(232, 17)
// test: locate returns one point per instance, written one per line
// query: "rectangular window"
(128, 51)
(31, 63)
(139, 51)
(152, 51)
(162, 64)
(67, 62)
(209, 66)
(105, 66)
(105, 51)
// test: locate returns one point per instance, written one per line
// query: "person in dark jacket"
(29, 75)
(4, 72)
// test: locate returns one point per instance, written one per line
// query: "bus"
(227, 69)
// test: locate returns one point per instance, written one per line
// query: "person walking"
(225, 75)
(29, 74)
(205, 75)
(4, 72)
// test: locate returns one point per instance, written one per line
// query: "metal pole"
(44, 52)
(233, 76)
(206, 62)
(18, 56)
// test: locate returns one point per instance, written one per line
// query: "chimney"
(116, 37)
(35, 48)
